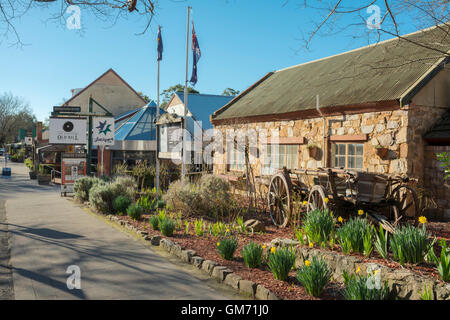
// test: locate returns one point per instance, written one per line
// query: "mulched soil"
(289, 290)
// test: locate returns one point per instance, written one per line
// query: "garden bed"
(205, 247)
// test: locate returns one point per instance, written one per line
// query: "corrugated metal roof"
(381, 72)
(203, 105)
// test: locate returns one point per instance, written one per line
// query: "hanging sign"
(67, 131)
(103, 131)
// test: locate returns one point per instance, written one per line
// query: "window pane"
(281, 156)
(359, 162)
(342, 149)
(359, 149)
(292, 156)
(351, 149)
(351, 162)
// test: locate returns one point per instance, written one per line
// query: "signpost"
(67, 109)
(67, 131)
(103, 134)
(73, 167)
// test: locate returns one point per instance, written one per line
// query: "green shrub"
(281, 262)
(120, 204)
(318, 226)
(134, 212)
(29, 163)
(167, 227)
(314, 275)
(356, 236)
(101, 198)
(147, 203)
(410, 244)
(210, 196)
(154, 222)
(125, 186)
(252, 254)
(359, 287)
(227, 247)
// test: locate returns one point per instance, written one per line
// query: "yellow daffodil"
(376, 271)
(358, 270)
(264, 246)
(307, 263)
(360, 212)
(422, 219)
(340, 219)
(218, 243)
(311, 244)
(325, 200)
(305, 203)
(272, 249)
(228, 230)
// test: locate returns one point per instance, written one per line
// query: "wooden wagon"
(386, 199)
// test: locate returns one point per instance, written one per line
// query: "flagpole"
(157, 133)
(183, 154)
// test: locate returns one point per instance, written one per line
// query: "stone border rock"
(405, 283)
(220, 273)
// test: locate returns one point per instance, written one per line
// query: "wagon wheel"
(406, 202)
(279, 200)
(316, 199)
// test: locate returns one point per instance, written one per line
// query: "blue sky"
(240, 40)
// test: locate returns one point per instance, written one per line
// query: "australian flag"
(196, 56)
(160, 44)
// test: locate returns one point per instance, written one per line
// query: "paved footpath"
(48, 233)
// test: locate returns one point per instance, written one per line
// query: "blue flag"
(160, 45)
(196, 56)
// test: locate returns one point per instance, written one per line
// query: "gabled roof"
(389, 71)
(79, 92)
(203, 105)
(140, 126)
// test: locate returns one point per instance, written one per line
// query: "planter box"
(44, 179)
(33, 175)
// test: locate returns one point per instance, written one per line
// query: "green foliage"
(410, 244)
(242, 226)
(227, 247)
(252, 254)
(160, 204)
(426, 294)
(444, 157)
(199, 226)
(300, 235)
(314, 277)
(154, 222)
(219, 229)
(281, 262)
(147, 203)
(318, 226)
(101, 197)
(167, 227)
(355, 236)
(359, 287)
(29, 163)
(443, 262)
(186, 227)
(162, 216)
(134, 212)
(82, 187)
(381, 242)
(120, 204)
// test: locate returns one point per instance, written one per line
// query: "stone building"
(382, 96)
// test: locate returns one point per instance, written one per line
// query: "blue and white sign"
(103, 131)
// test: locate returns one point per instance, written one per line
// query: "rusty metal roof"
(385, 71)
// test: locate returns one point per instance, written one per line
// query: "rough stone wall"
(387, 128)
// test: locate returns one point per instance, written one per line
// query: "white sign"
(67, 131)
(103, 131)
(28, 141)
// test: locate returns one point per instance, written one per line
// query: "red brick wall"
(434, 180)
(106, 160)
